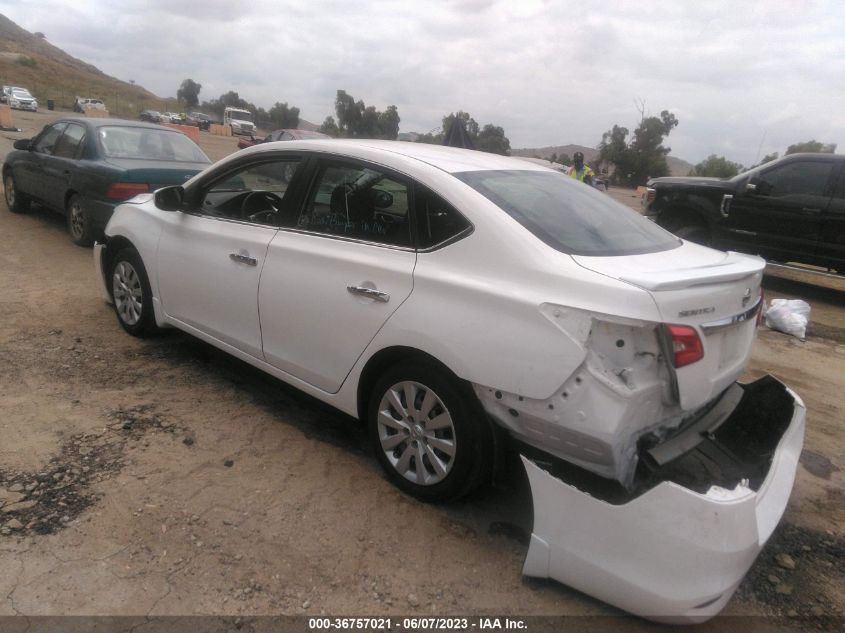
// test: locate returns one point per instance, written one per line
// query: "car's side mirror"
(170, 198)
(23, 143)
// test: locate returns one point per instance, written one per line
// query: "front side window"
(359, 203)
(257, 193)
(569, 216)
(149, 144)
(803, 177)
(47, 141)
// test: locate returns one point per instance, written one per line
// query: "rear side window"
(71, 142)
(568, 215)
(437, 221)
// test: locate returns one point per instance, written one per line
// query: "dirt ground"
(163, 477)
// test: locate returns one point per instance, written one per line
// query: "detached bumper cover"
(669, 554)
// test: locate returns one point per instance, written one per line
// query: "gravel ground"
(162, 477)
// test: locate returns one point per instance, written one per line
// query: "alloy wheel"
(9, 188)
(416, 433)
(77, 220)
(128, 293)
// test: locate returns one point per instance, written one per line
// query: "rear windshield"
(149, 144)
(568, 215)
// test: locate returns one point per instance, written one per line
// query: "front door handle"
(243, 258)
(370, 293)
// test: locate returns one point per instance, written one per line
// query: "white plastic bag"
(789, 316)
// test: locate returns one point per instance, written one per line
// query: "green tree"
(189, 93)
(329, 127)
(716, 167)
(491, 138)
(284, 116)
(357, 120)
(813, 147)
(645, 155)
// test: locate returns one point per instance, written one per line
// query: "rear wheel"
(429, 432)
(15, 200)
(79, 222)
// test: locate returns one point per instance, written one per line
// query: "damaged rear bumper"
(672, 552)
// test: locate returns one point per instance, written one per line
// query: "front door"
(782, 218)
(332, 281)
(210, 259)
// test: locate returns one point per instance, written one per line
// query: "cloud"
(548, 72)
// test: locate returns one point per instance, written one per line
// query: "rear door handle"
(242, 258)
(370, 293)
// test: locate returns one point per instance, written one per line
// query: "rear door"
(334, 278)
(782, 219)
(210, 259)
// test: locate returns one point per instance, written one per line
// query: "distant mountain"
(29, 60)
(677, 166)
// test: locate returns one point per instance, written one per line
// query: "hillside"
(677, 166)
(31, 61)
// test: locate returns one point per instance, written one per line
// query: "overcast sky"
(743, 78)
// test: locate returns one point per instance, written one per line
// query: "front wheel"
(131, 294)
(429, 432)
(15, 200)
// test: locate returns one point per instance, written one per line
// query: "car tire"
(694, 233)
(79, 223)
(429, 432)
(16, 201)
(132, 298)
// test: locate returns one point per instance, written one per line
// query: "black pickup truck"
(789, 210)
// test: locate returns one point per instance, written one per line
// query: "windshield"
(568, 215)
(149, 144)
(240, 115)
(17, 92)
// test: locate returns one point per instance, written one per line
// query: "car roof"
(98, 122)
(448, 159)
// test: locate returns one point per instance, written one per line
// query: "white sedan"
(450, 298)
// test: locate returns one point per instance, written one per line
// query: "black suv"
(791, 209)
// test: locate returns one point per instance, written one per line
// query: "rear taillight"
(686, 345)
(126, 190)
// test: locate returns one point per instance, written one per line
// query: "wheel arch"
(68, 195)
(379, 362)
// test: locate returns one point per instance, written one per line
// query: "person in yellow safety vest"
(579, 170)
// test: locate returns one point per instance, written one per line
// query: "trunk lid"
(711, 291)
(156, 173)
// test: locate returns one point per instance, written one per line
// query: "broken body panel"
(678, 544)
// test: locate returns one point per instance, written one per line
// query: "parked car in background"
(280, 135)
(200, 119)
(21, 99)
(788, 210)
(171, 117)
(85, 167)
(85, 103)
(153, 116)
(451, 298)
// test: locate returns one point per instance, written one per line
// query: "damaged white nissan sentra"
(447, 297)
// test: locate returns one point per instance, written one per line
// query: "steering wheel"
(254, 207)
